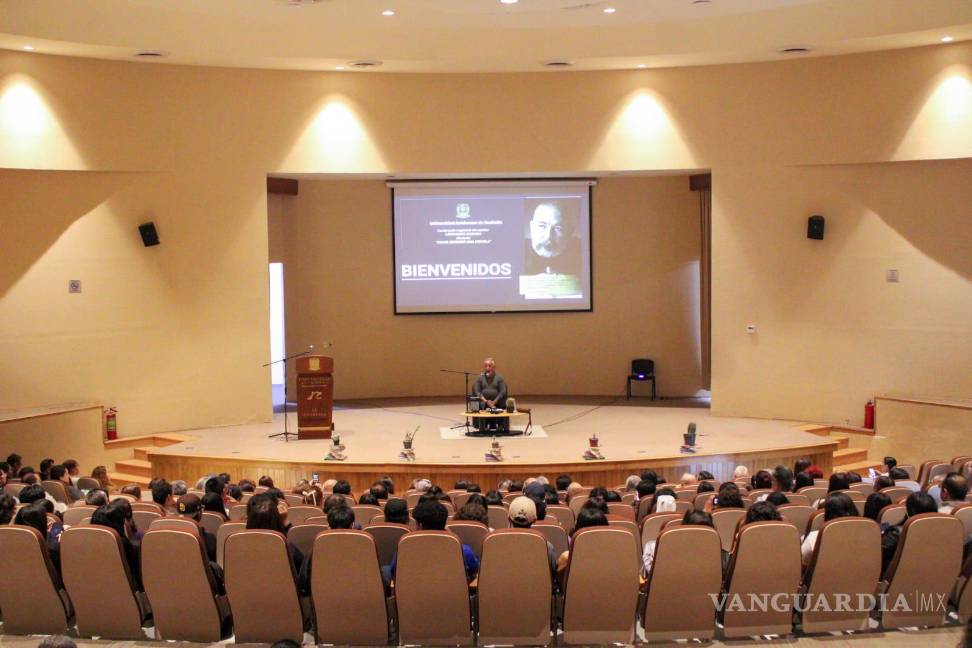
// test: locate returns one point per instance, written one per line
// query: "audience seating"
(726, 521)
(652, 525)
(364, 513)
(386, 539)
(964, 514)
(846, 561)
(797, 515)
(766, 560)
(600, 588)
(961, 596)
(893, 514)
(433, 604)
(151, 507)
(226, 530)
(470, 533)
(555, 535)
(179, 583)
(925, 567)
(56, 490)
(644, 506)
(622, 510)
(302, 536)
(631, 528)
(97, 578)
(297, 514)
(348, 593)
(260, 584)
(75, 514)
(237, 512)
(686, 573)
(144, 519)
(514, 562)
(498, 517)
(27, 569)
(211, 522)
(813, 493)
(13, 488)
(88, 483)
(563, 515)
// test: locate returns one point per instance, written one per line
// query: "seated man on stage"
(490, 389)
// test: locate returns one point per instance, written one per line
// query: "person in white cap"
(522, 514)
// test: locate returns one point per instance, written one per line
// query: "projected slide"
(492, 247)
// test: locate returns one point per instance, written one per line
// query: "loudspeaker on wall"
(150, 235)
(815, 227)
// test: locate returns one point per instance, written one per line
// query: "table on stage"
(485, 416)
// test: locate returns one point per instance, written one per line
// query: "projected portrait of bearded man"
(552, 253)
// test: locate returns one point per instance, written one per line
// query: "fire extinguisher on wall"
(869, 415)
(111, 424)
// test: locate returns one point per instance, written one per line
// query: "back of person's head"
(333, 501)
(664, 501)
(955, 487)
(697, 518)
(838, 482)
(801, 480)
(342, 487)
(460, 484)
(368, 497)
(132, 489)
(33, 515)
(782, 478)
(111, 517)
(31, 478)
(589, 516)
(562, 482)
(58, 471)
(613, 496)
(45, 466)
(882, 481)
(213, 502)
(179, 488)
(96, 497)
(645, 487)
(473, 512)
(340, 517)
(225, 476)
(396, 511)
(761, 479)
(234, 491)
(875, 502)
(161, 491)
(190, 506)
(379, 490)
(899, 474)
(216, 485)
(839, 505)
(31, 494)
(389, 484)
(523, 512)
(705, 487)
(854, 478)
(493, 498)
(474, 488)
(631, 483)
(704, 474)
(920, 503)
(762, 511)
(262, 513)
(890, 462)
(422, 485)
(687, 479)
(476, 498)
(7, 506)
(14, 461)
(26, 470)
(729, 496)
(816, 472)
(430, 515)
(598, 502)
(740, 472)
(516, 486)
(801, 465)
(265, 481)
(652, 476)
(246, 485)
(70, 465)
(777, 498)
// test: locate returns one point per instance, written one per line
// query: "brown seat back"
(96, 576)
(355, 613)
(259, 577)
(632, 528)
(924, 568)
(459, 498)
(701, 500)
(726, 521)
(576, 503)
(433, 604)
(148, 506)
(601, 561)
(652, 525)
(298, 514)
(365, 513)
(56, 489)
(470, 533)
(237, 513)
(386, 538)
(184, 608)
(31, 597)
(143, 519)
(13, 489)
(88, 483)
(226, 530)
(555, 535)
(563, 515)
(846, 562)
(863, 488)
(685, 575)
(302, 536)
(813, 493)
(964, 514)
(816, 520)
(797, 515)
(621, 509)
(893, 514)
(498, 517)
(897, 493)
(75, 514)
(515, 560)
(644, 507)
(759, 545)
(211, 522)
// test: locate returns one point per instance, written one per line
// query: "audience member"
(73, 471)
(431, 515)
(801, 465)
(801, 480)
(836, 505)
(705, 487)
(101, 474)
(838, 482)
(264, 512)
(687, 479)
(342, 487)
(379, 490)
(955, 487)
(96, 497)
(494, 498)
(265, 482)
(740, 472)
(235, 492)
(762, 511)
(132, 490)
(473, 512)
(180, 488)
(782, 479)
(7, 507)
(777, 498)
(396, 511)
(916, 504)
(881, 482)
(761, 480)
(729, 497)
(246, 485)
(213, 503)
(631, 483)
(57, 641)
(190, 507)
(522, 515)
(60, 473)
(562, 482)
(389, 484)
(45, 468)
(816, 472)
(474, 488)
(704, 474)
(14, 464)
(901, 478)
(113, 516)
(691, 518)
(874, 504)
(369, 498)
(162, 495)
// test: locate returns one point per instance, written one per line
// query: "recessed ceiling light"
(509, 1)
(701, 2)
(340, 67)
(557, 63)
(609, 10)
(150, 54)
(642, 66)
(28, 48)
(798, 49)
(364, 64)
(945, 39)
(387, 12)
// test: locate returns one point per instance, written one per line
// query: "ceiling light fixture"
(340, 67)
(509, 1)
(642, 66)
(947, 39)
(28, 48)
(387, 12)
(799, 49)
(701, 2)
(609, 10)
(557, 63)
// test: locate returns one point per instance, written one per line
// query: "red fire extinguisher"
(111, 424)
(869, 415)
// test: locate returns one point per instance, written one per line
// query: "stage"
(633, 435)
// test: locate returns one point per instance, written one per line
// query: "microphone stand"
(466, 374)
(286, 433)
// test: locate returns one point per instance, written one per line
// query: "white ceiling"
(474, 35)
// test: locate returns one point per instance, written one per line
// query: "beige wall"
(338, 277)
(175, 335)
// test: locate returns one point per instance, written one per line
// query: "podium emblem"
(314, 364)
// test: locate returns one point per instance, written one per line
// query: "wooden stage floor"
(633, 434)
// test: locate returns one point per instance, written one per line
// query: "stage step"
(159, 440)
(121, 479)
(135, 467)
(849, 455)
(143, 452)
(860, 467)
(842, 441)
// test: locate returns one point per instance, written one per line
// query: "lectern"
(315, 397)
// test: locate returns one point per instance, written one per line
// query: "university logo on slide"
(462, 210)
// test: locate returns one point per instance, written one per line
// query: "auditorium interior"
(282, 243)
